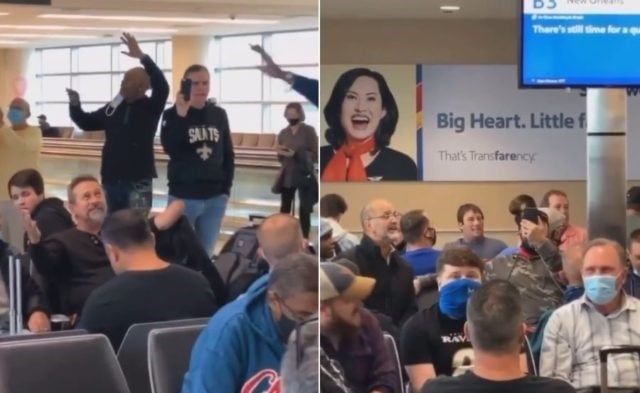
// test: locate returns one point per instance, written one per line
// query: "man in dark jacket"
(130, 123)
(34, 306)
(196, 136)
(394, 293)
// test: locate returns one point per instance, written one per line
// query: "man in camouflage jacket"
(533, 270)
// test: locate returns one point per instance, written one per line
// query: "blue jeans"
(205, 216)
(137, 195)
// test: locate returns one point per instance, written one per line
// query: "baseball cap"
(337, 280)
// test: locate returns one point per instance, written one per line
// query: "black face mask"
(528, 247)
(293, 122)
(285, 326)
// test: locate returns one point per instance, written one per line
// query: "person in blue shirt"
(241, 349)
(420, 238)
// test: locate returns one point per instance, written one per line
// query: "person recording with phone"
(130, 122)
(195, 135)
(297, 152)
(533, 269)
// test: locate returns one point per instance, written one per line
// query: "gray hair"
(296, 274)
(602, 242)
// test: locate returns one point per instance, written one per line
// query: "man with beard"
(393, 294)
(74, 260)
(433, 341)
(533, 270)
(350, 334)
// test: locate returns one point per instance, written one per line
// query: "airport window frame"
(267, 104)
(72, 72)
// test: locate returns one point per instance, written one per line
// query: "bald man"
(393, 294)
(279, 236)
(20, 146)
(130, 122)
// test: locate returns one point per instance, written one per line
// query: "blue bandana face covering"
(454, 296)
(600, 289)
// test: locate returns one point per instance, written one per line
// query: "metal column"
(606, 163)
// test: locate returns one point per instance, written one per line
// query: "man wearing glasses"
(393, 294)
(242, 347)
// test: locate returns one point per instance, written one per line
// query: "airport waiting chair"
(169, 355)
(395, 359)
(132, 354)
(42, 336)
(80, 364)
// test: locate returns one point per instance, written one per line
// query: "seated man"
(471, 223)
(74, 260)
(495, 325)
(35, 309)
(533, 269)
(393, 294)
(327, 244)
(146, 288)
(632, 285)
(350, 334)
(605, 316)
(241, 348)
(433, 341)
(420, 238)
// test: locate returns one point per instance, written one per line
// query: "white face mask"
(636, 271)
(111, 108)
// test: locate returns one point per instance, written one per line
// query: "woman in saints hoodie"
(196, 136)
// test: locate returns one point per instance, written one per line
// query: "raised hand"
(270, 68)
(132, 44)
(31, 228)
(74, 97)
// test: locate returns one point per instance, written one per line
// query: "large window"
(254, 101)
(95, 71)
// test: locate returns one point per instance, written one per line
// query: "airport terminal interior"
(334, 196)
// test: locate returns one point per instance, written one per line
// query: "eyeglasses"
(297, 318)
(387, 215)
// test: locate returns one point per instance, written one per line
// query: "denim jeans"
(205, 216)
(136, 195)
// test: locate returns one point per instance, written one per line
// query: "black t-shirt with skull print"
(200, 149)
(430, 337)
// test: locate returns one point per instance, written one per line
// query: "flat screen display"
(580, 43)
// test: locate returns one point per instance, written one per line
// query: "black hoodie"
(51, 217)
(201, 154)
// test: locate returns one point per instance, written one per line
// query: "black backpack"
(239, 264)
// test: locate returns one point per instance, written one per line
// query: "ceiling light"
(21, 35)
(4, 13)
(83, 28)
(133, 18)
(449, 8)
(12, 42)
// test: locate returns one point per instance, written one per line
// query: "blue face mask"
(16, 116)
(454, 296)
(600, 289)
